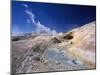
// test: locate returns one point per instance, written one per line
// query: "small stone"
(36, 58)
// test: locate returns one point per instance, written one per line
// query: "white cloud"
(32, 16)
(25, 5)
(40, 28)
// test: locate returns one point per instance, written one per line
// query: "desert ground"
(73, 50)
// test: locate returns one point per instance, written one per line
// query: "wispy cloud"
(25, 5)
(40, 28)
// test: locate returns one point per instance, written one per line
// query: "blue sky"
(58, 17)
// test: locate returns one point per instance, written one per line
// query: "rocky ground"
(74, 50)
